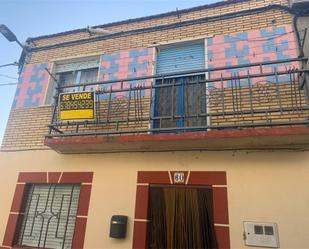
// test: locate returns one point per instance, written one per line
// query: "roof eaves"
(206, 6)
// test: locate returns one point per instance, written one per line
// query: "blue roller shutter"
(182, 57)
(180, 102)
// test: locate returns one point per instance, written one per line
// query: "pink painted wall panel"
(125, 64)
(32, 86)
(272, 43)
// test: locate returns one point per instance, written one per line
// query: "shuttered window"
(50, 214)
(78, 65)
(181, 57)
(180, 101)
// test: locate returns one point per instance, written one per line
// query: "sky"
(31, 18)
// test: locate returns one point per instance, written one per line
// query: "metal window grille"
(178, 98)
(50, 214)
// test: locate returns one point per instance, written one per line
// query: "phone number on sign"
(76, 105)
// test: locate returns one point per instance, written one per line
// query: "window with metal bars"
(49, 216)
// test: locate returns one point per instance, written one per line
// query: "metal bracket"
(303, 44)
(55, 129)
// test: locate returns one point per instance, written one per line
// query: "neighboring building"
(200, 133)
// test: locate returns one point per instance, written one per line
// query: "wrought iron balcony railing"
(252, 95)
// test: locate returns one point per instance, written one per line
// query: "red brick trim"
(32, 177)
(206, 178)
(141, 205)
(158, 177)
(83, 178)
(221, 212)
(79, 233)
(223, 237)
(18, 198)
(73, 177)
(140, 237)
(54, 177)
(10, 230)
(84, 199)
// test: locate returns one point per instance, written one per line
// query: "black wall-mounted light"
(7, 33)
(10, 36)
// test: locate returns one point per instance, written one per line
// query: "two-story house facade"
(187, 129)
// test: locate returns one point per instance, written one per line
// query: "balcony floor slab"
(294, 138)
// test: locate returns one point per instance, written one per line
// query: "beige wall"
(262, 186)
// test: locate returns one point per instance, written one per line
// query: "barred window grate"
(50, 214)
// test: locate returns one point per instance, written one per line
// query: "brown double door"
(181, 217)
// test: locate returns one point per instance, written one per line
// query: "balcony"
(252, 106)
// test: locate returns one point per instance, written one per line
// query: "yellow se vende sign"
(78, 105)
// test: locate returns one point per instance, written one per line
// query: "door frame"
(214, 179)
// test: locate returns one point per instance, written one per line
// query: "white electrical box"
(261, 234)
